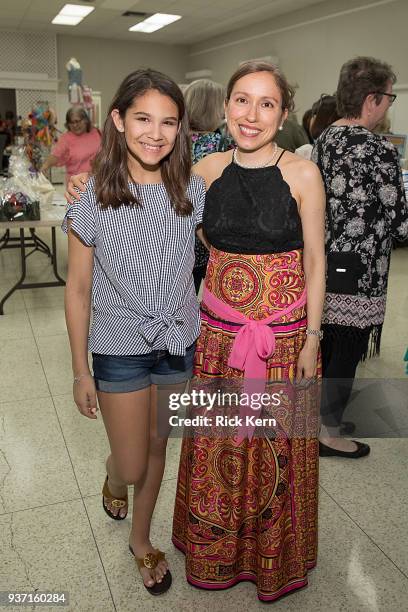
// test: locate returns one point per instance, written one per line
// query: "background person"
(306, 123)
(291, 135)
(77, 147)
(324, 113)
(366, 209)
(205, 107)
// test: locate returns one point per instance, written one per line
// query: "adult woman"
(77, 147)
(246, 507)
(205, 106)
(306, 123)
(324, 113)
(366, 209)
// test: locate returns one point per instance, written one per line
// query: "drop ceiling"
(201, 19)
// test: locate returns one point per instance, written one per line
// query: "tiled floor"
(55, 536)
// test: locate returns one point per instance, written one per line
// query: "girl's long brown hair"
(111, 164)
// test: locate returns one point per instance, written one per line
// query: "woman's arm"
(49, 162)
(201, 236)
(77, 314)
(391, 193)
(312, 213)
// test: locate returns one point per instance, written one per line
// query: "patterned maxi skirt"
(248, 510)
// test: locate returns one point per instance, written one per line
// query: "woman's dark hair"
(287, 91)
(111, 163)
(79, 112)
(360, 77)
(306, 123)
(325, 113)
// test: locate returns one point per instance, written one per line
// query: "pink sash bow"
(253, 345)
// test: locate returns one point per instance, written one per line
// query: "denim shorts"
(127, 373)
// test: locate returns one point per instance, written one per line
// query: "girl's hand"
(78, 181)
(85, 396)
(307, 362)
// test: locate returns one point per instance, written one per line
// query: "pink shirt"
(76, 152)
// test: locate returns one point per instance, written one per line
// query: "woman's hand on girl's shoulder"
(75, 183)
(212, 166)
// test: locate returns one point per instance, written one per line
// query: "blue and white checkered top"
(143, 295)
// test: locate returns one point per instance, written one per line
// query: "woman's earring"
(280, 128)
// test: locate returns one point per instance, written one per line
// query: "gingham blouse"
(143, 296)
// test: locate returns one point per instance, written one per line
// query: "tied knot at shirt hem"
(161, 321)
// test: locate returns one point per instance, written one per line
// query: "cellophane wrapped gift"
(18, 201)
(22, 193)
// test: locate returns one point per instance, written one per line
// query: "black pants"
(342, 348)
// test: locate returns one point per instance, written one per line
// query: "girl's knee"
(132, 475)
(157, 446)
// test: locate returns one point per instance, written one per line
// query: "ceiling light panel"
(147, 28)
(155, 22)
(66, 20)
(72, 14)
(76, 10)
(162, 19)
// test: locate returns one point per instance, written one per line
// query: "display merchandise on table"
(24, 191)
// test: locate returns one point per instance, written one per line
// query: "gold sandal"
(151, 561)
(116, 502)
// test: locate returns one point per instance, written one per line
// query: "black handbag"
(344, 268)
(343, 272)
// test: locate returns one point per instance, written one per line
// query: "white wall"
(313, 43)
(106, 62)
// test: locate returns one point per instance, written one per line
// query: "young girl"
(131, 254)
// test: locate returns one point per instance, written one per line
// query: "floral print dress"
(364, 190)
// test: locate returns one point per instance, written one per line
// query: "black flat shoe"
(347, 428)
(327, 451)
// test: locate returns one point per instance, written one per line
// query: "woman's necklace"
(268, 163)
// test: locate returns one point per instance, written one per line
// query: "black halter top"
(252, 211)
